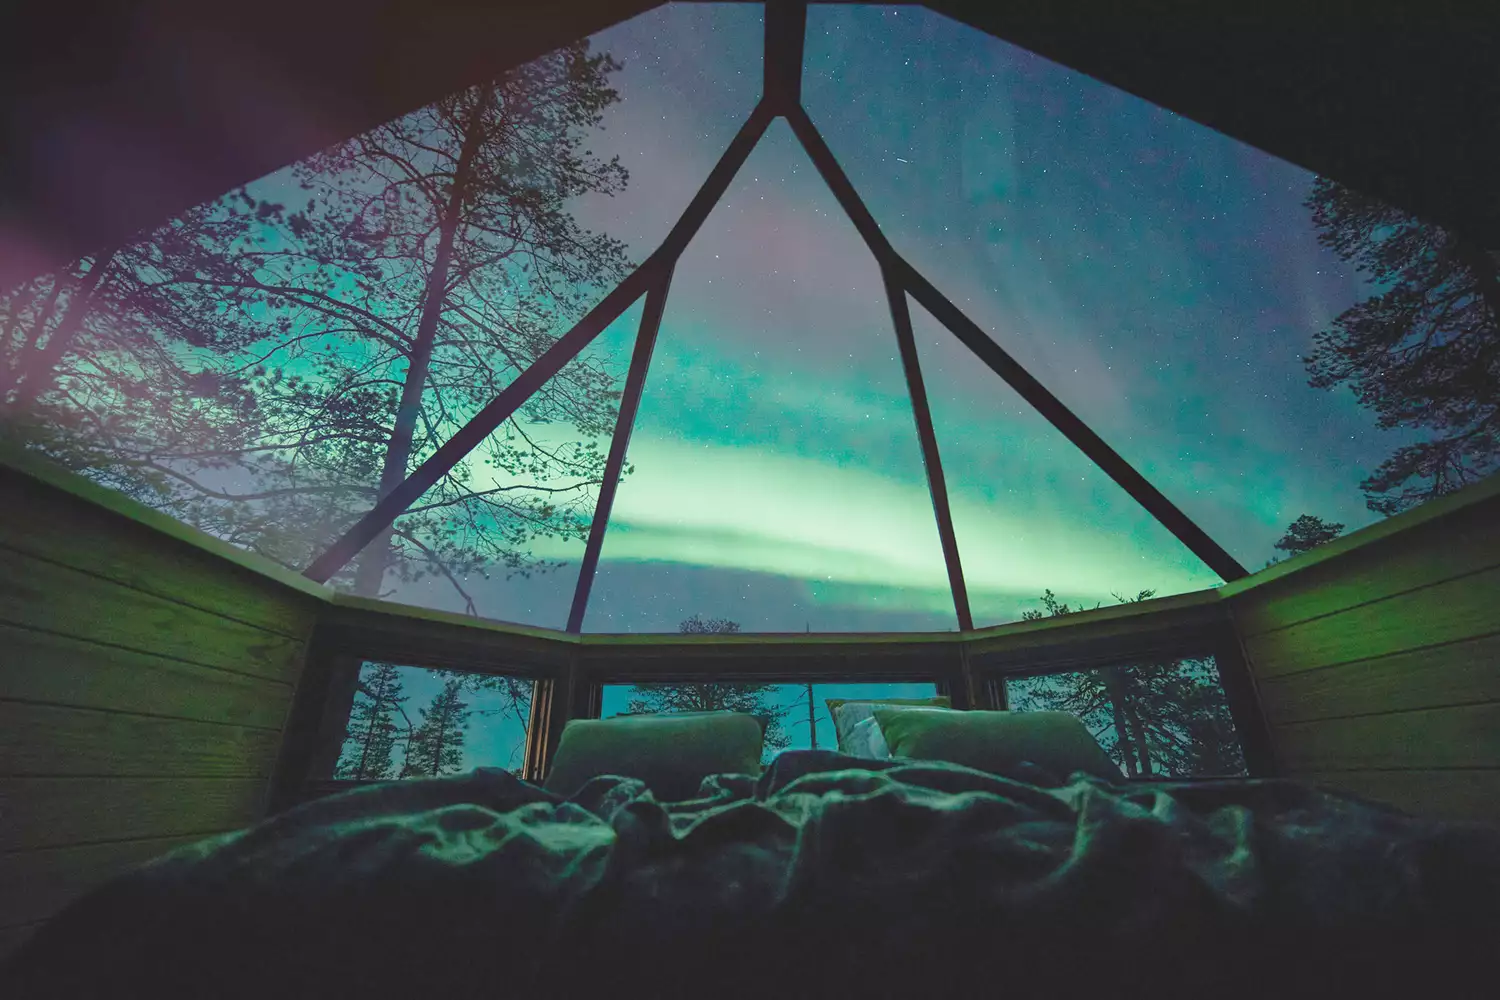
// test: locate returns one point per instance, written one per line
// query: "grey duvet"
(824, 877)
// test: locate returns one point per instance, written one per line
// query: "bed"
(825, 876)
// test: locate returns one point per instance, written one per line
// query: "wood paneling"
(1442, 613)
(1448, 549)
(42, 740)
(1454, 674)
(53, 669)
(53, 812)
(36, 884)
(71, 532)
(1455, 794)
(42, 595)
(146, 674)
(1462, 736)
(1377, 658)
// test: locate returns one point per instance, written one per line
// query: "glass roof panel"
(775, 477)
(1031, 512)
(243, 366)
(1163, 280)
(691, 75)
(502, 535)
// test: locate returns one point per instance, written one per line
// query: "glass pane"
(416, 722)
(1166, 719)
(502, 535)
(244, 366)
(776, 478)
(1165, 281)
(796, 714)
(690, 75)
(1031, 512)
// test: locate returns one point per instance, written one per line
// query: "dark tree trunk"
(812, 719)
(25, 352)
(364, 751)
(440, 743)
(1114, 685)
(370, 574)
(1142, 747)
(38, 371)
(12, 369)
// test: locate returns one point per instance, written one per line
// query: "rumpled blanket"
(825, 877)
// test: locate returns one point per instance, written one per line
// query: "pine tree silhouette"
(372, 731)
(436, 746)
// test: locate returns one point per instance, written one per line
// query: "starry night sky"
(1161, 279)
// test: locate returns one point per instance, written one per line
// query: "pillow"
(848, 712)
(672, 754)
(761, 717)
(996, 741)
(866, 740)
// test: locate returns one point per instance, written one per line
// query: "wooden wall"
(144, 684)
(1378, 666)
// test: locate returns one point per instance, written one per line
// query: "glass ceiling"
(1163, 279)
(248, 366)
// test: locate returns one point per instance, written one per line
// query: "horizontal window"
(796, 715)
(1162, 718)
(417, 722)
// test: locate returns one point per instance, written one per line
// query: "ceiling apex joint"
(786, 33)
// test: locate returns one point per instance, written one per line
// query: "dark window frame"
(570, 670)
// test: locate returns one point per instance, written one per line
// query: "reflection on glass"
(1166, 718)
(1167, 282)
(795, 715)
(777, 479)
(417, 722)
